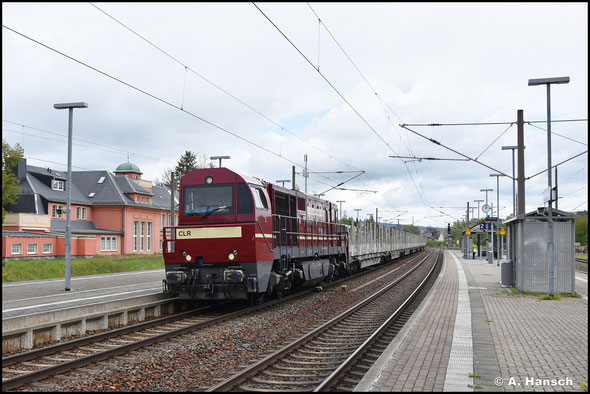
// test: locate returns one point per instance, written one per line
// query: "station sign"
(485, 226)
(490, 219)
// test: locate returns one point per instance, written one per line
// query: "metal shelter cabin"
(468, 240)
(527, 264)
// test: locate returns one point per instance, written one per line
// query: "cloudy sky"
(268, 83)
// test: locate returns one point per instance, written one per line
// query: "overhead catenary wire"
(341, 96)
(454, 151)
(187, 68)
(157, 98)
(108, 148)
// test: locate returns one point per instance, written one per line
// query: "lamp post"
(340, 212)
(550, 246)
(68, 246)
(283, 181)
(486, 211)
(498, 214)
(477, 201)
(513, 178)
(220, 158)
(357, 214)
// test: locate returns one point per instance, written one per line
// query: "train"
(241, 238)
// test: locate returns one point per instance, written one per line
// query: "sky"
(268, 83)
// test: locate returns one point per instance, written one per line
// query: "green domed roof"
(128, 167)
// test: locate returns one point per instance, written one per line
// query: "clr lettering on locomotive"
(184, 233)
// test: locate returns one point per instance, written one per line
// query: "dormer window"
(57, 185)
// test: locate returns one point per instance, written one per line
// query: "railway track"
(38, 364)
(35, 365)
(335, 355)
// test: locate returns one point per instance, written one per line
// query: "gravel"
(198, 360)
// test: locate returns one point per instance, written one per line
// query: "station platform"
(472, 334)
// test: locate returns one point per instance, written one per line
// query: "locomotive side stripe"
(209, 232)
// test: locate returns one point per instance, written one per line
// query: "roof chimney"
(21, 169)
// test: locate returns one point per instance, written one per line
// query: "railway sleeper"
(324, 348)
(35, 365)
(281, 367)
(287, 383)
(284, 375)
(320, 358)
(264, 390)
(61, 360)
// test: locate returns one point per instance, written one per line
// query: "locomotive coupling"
(233, 276)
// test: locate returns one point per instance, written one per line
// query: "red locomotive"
(239, 238)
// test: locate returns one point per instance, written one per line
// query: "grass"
(556, 296)
(21, 270)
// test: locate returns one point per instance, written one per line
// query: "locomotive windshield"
(205, 200)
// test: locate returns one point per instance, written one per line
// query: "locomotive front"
(221, 248)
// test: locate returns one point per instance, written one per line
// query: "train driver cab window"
(205, 200)
(245, 203)
(259, 198)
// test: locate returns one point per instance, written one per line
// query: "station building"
(111, 213)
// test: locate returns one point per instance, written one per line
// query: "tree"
(10, 182)
(582, 230)
(166, 177)
(187, 163)
(410, 228)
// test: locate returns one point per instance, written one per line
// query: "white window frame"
(163, 221)
(141, 236)
(108, 244)
(135, 225)
(35, 249)
(149, 236)
(47, 244)
(19, 249)
(58, 185)
(54, 213)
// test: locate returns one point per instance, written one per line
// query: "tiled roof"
(113, 190)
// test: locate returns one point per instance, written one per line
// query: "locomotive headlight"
(233, 254)
(208, 180)
(188, 257)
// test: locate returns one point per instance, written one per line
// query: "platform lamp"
(340, 211)
(477, 201)
(487, 207)
(283, 181)
(513, 148)
(498, 214)
(550, 246)
(68, 245)
(220, 158)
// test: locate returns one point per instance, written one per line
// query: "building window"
(17, 249)
(135, 224)
(81, 213)
(57, 211)
(138, 199)
(32, 248)
(161, 244)
(149, 236)
(108, 244)
(163, 221)
(57, 185)
(141, 236)
(47, 248)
